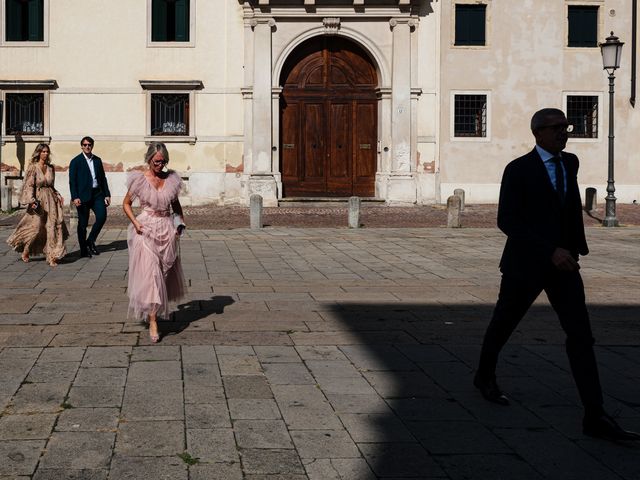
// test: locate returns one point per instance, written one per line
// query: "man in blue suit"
(89, 191)
(540, 212)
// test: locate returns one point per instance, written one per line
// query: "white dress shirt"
(92, 168)
(551, 166)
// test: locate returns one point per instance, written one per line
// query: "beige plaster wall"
(97, 52)
(526, 66)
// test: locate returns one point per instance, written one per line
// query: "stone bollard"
(73, 217)
(255, 211)
(354, 212)
(459, 192)
(590, 199)
(6, 198)
(453, 212)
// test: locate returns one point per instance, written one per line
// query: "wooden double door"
(328, 122)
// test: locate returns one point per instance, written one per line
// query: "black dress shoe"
(607, 428)
(490, 390)
(85, 253)
(93, 249)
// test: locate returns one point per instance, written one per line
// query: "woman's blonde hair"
(35, 156)
(155, 147)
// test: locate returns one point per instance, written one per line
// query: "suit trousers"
(565, 292)
(99, 210)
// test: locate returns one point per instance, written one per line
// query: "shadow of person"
(113, 246)
(74, 255)
(192, 311)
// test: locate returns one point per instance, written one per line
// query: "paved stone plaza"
(314, 354)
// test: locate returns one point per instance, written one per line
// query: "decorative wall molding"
(28, 84)
(331, 25)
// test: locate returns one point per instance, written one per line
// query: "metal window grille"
(25, 114)
(470, 116)
(170, 114)
(582, 113)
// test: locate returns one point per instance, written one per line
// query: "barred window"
(170, 114)
(470, 116)
(470, 24)
(583, 26)
(25, 114)
(582, 113)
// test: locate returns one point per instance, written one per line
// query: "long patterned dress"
(155, 271)
(43, 231)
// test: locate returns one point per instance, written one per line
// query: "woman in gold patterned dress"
(42, 228)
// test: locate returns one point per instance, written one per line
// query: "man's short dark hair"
(88, 139)
(539, 118)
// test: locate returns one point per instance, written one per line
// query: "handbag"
(178, 223)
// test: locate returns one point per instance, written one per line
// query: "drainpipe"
(634, 43)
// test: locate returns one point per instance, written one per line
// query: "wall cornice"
(354, 8)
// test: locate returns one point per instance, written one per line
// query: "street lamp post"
(611, 53)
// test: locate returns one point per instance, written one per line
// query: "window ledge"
(26, 139)
(584, 140)
(170, 139)
(24, 43)
(171, 44)
(471, 139)
(471, 47)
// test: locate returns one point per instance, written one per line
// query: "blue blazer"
(80, 180)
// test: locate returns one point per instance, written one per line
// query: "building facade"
(400, 100)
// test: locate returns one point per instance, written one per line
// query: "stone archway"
(328, 120)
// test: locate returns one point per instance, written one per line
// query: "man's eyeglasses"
(564, 127)
(87, 145)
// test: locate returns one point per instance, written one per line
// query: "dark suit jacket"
(80, 180)
(534, 219)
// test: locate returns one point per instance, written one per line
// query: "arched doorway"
(328, 120)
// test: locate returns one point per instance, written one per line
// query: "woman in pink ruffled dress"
(155, 272)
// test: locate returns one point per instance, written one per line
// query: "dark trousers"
(565, 291)
(99, 210)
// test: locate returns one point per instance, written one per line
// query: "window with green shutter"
(170, 20)
(24, 20)
(583, 26)
(470, 24)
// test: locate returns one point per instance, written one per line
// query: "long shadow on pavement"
(432, 423)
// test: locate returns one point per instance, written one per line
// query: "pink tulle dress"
(155, 272)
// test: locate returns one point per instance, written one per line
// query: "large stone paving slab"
(308, 354)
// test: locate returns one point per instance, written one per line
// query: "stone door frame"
(397, 110)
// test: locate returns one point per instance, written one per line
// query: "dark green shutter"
(13, 25)
(583, 26)
(182, 20)
(158, 21)
(36, 20)
(470, 24)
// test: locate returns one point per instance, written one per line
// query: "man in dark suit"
(89, 191)
(540, 212)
